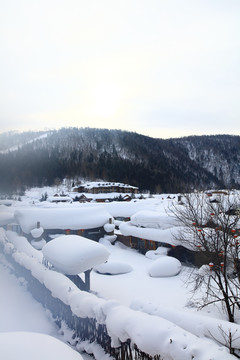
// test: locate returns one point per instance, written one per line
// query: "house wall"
(184, 255)
(92, 234)
(107, 189)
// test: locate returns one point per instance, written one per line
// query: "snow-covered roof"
(62, 218)
(167, 236)
(73, 254)
(153, 219)
(96, 184)
(59, 198)
(6, 202)
(6, 217)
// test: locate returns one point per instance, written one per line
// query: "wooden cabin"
(86, 221)
(106, 187)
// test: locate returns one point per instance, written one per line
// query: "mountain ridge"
(158, 165)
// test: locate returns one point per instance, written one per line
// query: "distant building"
(57, 199)
(105, 187)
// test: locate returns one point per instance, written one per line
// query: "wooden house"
(106, 187)
(86, 221)
(59, 199)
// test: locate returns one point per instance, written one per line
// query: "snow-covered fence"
(82, 329)
(122, 332)
(199, 325)
(81, 314)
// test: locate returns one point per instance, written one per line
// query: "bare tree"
(57, 183)
(210, 227)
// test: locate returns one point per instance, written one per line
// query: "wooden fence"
(83, 328)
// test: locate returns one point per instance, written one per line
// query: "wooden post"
(87, 280)
(79, 282)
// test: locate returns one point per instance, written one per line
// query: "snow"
(62, 218)
(21, 314)
(155, 254)
(199, 325)
(38, 244)
(99, 184)
(113, 268)
(16, 147)
(153, 312)
(159, 337)
(161, 235)
(165, 236)
(6, 216)
(165, 266)
(110, 238)
(23, 246)
(29, 346)
(37, 232)
(59, 198)
(6, 202)
(73, 254)
(18, 311)
(153, 219)
(109, 227)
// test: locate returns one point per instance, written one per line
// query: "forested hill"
(173, 165)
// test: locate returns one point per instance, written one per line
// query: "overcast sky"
(163, 68)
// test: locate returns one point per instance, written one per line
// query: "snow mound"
(73, 254)
(165, 266)
(107, 239)
(204, 270)
(113, 268)
(109, 227)
(29, 345)
(155, 254)
(153, 219)
(37, 232)
(38, 245)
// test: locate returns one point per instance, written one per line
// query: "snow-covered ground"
(24, 324)
(132, 283)
(18, 310)
(137, 284)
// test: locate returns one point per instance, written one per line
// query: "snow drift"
(73, 254)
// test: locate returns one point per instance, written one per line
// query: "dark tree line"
(112, 155)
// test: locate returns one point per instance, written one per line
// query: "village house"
(106, 187)
(86, 221)
(59, 199)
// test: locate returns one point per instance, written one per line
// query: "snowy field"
(132, 283)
